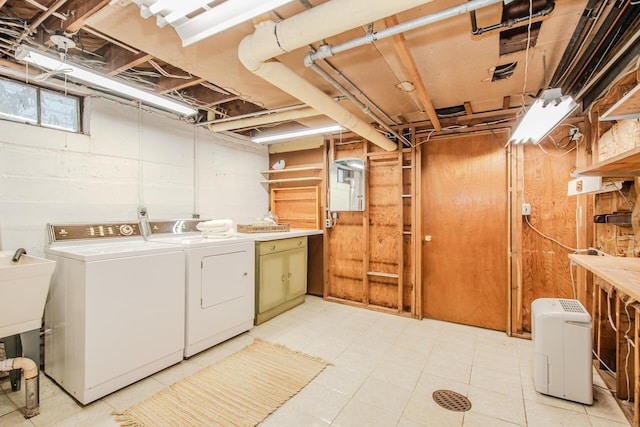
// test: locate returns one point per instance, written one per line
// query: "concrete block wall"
(53, 176)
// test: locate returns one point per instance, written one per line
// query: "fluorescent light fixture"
(222, 17)
(76, 72)
(543, 116)
(295, 134)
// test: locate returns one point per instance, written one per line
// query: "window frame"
(79, 102)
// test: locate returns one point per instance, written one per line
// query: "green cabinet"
(281, 276)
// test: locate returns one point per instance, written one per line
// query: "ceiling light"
(295, 134)
(76, 72)
(543, 116)
(224, 16)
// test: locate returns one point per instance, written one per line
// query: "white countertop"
(263, 237)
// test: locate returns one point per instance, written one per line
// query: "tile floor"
(384, 371)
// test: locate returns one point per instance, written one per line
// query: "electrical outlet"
(574, 133)
(526, 209)
(142, 212)
(328, 223)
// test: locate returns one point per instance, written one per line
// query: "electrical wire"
(603, 364)
(562, 154)
(526, 218)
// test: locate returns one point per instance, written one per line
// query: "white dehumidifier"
(561, 334)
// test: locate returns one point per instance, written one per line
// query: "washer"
(115, 311)
(220, 287)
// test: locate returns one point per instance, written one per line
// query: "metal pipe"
(326, 51)
(365, 109)
(577, 34)
(510, 22)
(30, 373)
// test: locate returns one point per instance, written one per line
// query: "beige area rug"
(240, 390)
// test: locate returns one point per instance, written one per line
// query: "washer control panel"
(65, 232)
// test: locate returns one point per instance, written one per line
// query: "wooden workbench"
(617, 279)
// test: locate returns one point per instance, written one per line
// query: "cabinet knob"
(300, 243)
(272, 247)
(283, 277)
(289, 275)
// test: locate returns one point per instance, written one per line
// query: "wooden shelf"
(296, 169)
(624, 164)
(380, 274)
(628, 107)
(282, 180)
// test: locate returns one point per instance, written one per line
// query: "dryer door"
(224, 278)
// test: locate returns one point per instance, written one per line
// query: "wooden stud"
(417, 229)
(636, 366)
(400, 235)
(36, 23)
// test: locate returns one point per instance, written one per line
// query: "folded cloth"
(216, 225)
(218, 235)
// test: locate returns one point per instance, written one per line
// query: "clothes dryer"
(220, 283)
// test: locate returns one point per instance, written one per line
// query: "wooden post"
(636, 366)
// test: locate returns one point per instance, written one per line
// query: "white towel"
(219, 235)
(216, 225)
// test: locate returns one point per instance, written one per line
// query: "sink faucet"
(18, 254)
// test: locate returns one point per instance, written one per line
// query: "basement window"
(24, 103)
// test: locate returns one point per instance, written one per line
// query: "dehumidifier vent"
(571, 306)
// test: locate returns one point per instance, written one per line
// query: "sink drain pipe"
(30, 373)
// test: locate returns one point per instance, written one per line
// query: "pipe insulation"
(270, 40)
(286, 79)
(263, 119)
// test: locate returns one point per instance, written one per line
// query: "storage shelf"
(295, 199)
(282, 180)
(296, 169)
(622, 165)
(628, 107)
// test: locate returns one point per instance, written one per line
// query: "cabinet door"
(296, 261)
(272, 281)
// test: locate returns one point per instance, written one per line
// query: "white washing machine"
(220, 287)
(115, 310)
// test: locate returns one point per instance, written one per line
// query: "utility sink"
(23, 292)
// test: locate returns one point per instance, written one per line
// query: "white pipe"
(286, 79)
(263, 119)
(328, 19)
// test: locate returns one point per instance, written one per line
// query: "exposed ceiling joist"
(36, 23)
(402, 49)
(79, 11)
(118, 60)
(169, 84)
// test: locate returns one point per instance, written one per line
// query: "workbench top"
(621, 272)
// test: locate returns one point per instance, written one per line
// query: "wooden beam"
(57, 5)
(506, 102)
(467, 108)
(77, 12)
(402, 48)
(118, 60)
(169, 84)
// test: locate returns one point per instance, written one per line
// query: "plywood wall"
(543, 176)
